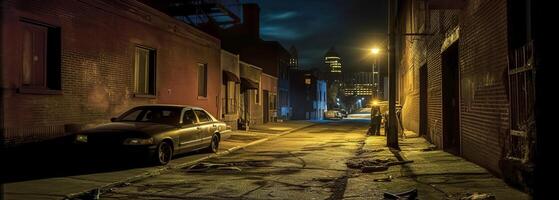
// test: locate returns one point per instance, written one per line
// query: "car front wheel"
(164, 153)
(214, 145)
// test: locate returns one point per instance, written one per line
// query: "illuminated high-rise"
(333, 60)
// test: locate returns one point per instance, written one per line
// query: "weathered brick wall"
(483, 61)
(98, 41)
(483, 80)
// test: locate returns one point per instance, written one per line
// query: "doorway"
(266, 106)
(450, 93)
(423, 85)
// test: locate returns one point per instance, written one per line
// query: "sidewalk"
(434, 173)
(78, 184)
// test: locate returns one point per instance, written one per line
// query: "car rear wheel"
(214, 145)
(164, 153)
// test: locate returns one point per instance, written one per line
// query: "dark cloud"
(313, 26)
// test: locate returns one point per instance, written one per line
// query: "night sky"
(313, 26)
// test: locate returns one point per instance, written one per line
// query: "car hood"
(130, 128)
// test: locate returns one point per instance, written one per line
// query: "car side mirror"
(113, 119)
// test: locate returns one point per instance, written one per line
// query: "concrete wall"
(98, 41)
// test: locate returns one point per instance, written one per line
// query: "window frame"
(52, 59)
(205, 83)
(150, 84)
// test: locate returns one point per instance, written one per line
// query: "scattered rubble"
(205, 167)
(374, 165)
(387, 179)
(479, 196)
(430, 148)
(369, 169)
(359, 163)
(408, 195)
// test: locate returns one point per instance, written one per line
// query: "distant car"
(343, 113)
(333, 114)
(156, 131)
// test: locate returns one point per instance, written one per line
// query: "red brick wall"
(483, 61)
(98, 44)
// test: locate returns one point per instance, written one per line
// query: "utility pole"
(392, 136)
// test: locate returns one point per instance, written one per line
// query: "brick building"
(457, 83)
(69, 64)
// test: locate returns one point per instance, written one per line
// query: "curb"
(99, 190)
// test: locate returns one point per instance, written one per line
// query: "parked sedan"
(160, 131)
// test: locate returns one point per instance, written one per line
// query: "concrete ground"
(313, 164)
(322, 161)
(49, 171)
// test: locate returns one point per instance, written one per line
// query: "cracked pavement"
(307, 164)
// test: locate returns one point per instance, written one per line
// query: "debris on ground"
(430, 148)
(205, 167)
(408, 195)
(374, 165)
(479, 196)
(378, 168)
(359, 163)
(387, 179)
(399, 162)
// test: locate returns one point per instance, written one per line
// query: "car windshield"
(153, 114)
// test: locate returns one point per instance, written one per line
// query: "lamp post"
(376, 76)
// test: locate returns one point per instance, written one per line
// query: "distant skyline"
(313, 26)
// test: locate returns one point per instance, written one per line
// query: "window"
(144, 71)
(202, 80)
(203, 116)
(41, 56)
(189, 117)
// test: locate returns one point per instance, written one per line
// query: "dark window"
(189, 117)
(144, 71)
(202, 80)
(203, 116)
(41, 56)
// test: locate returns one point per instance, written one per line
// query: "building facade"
(69, 68)
(269, 98)
(251, 93)
(230, 89)
(465, 81)
(310, 94)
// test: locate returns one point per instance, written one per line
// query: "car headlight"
(81, 138)
(138, 141)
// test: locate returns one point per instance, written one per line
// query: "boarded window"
(202, 80)
(40, 56)
(144, 71)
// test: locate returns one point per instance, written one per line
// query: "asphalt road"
(306, 164)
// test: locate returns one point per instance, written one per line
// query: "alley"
(324, 161)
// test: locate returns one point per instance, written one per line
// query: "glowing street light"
(375, 50)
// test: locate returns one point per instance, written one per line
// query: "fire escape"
(222, 13)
